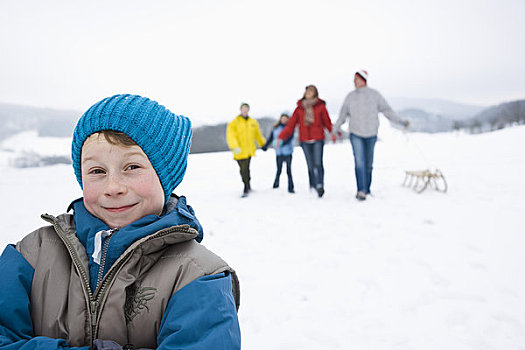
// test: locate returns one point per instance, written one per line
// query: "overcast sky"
(202, 58)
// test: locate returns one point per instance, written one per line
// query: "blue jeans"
(280, 160)
(363, 148)
(313, 152)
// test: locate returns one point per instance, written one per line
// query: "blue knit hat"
(163, 136)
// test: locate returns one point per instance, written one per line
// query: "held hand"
(236, 150)
(100, 344)
(332, 136)
(339, 134)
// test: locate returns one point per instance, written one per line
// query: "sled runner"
(420, 180)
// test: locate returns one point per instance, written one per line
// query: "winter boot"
(361, 196)
(290, 185)
(246, 190)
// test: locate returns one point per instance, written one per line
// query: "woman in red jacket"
(313, 118)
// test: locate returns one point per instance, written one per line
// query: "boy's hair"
(117, 138)
(164, 137)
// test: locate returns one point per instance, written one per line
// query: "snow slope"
(398, 271)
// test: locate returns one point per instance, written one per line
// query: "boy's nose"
(114, 186)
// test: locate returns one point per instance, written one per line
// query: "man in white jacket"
(361, 108)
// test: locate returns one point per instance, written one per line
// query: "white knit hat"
(363, 73)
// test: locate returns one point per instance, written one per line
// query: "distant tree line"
(495, 118)
(212, 138)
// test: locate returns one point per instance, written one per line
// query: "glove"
(406, 123)
(339, 134)
(332, 136)
(100, 344)
(236, 150)
(264, 148)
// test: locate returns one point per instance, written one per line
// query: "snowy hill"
(398, 271)
(447, 109)
(49, 122)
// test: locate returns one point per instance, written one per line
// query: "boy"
(125, 269)
(241, 135)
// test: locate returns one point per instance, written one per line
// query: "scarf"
(308, 105)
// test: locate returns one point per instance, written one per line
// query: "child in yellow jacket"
(241, 134)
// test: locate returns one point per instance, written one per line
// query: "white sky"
(202, 58)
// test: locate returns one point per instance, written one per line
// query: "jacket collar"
(176, 212)
(300, 103)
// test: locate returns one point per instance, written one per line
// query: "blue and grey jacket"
(149, 284)
(286, 147)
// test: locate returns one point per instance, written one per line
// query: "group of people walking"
(360, 108)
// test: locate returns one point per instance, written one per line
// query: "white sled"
(420, 180)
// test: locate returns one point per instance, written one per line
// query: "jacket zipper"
(92, 307)
(103, 254)
(102, 288)
(94, 299)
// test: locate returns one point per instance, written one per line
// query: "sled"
(420, 180)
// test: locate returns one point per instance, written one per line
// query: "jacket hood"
(300, 105)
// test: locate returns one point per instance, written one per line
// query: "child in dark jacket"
(283, 151)
(126, 268)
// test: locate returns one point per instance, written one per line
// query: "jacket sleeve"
(16, 327)
(387, 111)
(327, 122)
(231, 136)
(202, 315)
(258, 135)
(268, 140)
(343, 115)
(288, 141)
(290, 126)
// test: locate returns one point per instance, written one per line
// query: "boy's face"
(244, 110)
(120, 184)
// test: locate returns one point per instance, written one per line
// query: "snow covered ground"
(399, 271)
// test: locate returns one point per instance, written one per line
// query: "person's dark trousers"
(313, 152)
(244, 166)
(363, 148)
(280, 160)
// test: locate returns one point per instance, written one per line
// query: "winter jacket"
(361, 108)
(243, 133)
(313, 132)
(285, 148)
(160, 287)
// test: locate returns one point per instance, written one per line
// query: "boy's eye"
(97, 171)
(132, 167)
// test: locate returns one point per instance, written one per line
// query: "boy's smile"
(120, 184)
